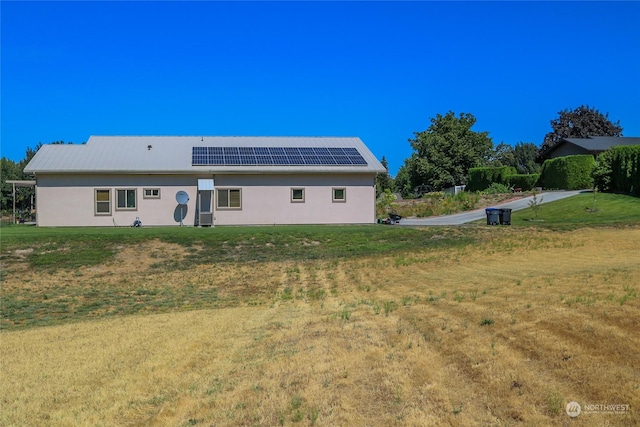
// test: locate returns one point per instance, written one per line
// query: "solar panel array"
(276, 156)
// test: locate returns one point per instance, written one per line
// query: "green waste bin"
(493, 216)
(505, 216)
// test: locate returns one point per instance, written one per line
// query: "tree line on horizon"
(448, 148)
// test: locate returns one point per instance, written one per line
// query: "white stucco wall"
(69, 200)
(266, 199)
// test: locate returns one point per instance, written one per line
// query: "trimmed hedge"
(524, 181)
(482, 178)
(618, 170)
(568, 172)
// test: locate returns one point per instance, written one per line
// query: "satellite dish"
(182, 197)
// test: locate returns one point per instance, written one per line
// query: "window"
(297, 195)
(151, 193)
(103, 202)
(339, 194)
(126, 199)
(229, 198)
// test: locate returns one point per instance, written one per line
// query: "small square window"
(339, 194)
(151, 193)
(297, 195)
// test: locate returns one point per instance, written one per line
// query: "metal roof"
(173, 155)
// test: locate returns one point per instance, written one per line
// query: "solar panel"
(198, 160)
(280, 160)
(357, 160)
(327, 160)
(264, 160)
(280, 156)
(248, 160)
(295, 160)
(291, 151)
(312, 160)
(342, 160)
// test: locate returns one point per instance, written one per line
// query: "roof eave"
(203, 172)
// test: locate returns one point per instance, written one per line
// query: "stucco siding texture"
(267, 200)
(70, 200)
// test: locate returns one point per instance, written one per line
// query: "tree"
(525, 158)
(503, 155)
(522, 156)
(580, 123)
(403, 180)
(383, 180)
(446, 150)
(10, 170)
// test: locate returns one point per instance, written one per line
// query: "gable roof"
(173, 155)
(593, 144)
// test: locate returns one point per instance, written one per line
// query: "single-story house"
(205, 181)
(593, 145)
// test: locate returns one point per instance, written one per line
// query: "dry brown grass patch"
(505, 333)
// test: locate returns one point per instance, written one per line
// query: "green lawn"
(610, 209)
(55, 248)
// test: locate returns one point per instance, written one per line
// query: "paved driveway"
(464, 217)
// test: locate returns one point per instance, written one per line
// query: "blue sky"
(377, 70)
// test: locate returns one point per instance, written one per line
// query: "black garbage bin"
(493, 216)
(505, 216)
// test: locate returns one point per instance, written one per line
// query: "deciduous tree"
(582, 122)
(446, 150)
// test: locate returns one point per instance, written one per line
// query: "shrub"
(602, 171)
(496, 188)
(618, 170)
(568, 172)
(625, 169)
(523, 181)
(385, 203)
(481, 178)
